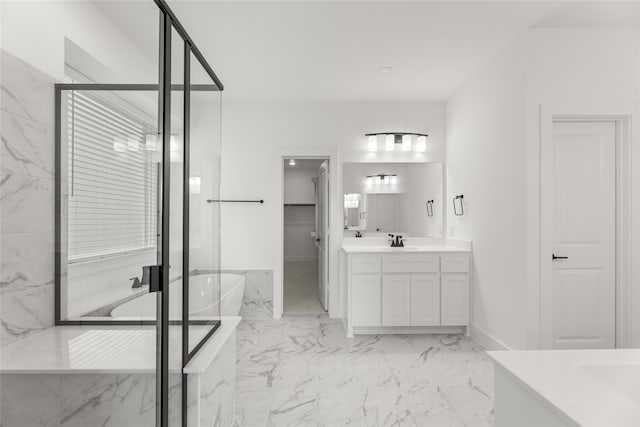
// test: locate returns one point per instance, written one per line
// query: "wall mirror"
(403, 198)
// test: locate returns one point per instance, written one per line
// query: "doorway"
(306, 236)
(580, 200)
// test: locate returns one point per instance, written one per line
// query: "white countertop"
(588, 387)
(107, 349)
(408, 249)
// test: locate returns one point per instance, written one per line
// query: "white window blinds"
(112, 179)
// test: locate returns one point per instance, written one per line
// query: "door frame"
(326, 216)
(623, 239)
(334, 244)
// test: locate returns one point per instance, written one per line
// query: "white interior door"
(322, 236)
(579, 302)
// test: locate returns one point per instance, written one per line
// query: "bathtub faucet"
(136, 283)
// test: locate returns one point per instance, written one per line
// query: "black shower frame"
(168, 21)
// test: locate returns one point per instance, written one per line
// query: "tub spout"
(136, 283)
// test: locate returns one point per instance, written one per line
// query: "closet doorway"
(306, 236)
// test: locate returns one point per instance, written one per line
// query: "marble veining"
(26, 91)
(27, 147)
(27, 261)
(257, 302)
(303, 371)
(26, 204)
(217, 391)
(26, 199)
(25, 312)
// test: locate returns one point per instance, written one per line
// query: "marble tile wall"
(218, 388)
(78, 400)
(258, 293)
(26, 199)
(119, 400)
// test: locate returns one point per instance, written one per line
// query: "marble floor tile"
(302, 370)
(293, 407)
(252, 409)
(301, 288)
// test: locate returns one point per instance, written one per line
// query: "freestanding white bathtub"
(203, 299)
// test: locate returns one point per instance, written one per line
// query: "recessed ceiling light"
(292, 162)
(385, 69)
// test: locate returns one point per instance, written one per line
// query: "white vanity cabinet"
(396, 299)
(413, 291)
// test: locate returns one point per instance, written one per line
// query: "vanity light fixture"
(406, 142)
(351, 200)
(389, 144)
(292, 162)
(381, 179)
(398, 141)
(373, 143)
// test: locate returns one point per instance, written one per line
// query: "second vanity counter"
(423, 287)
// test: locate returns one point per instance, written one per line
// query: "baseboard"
(489, 342)
(300, 259)
(406, 330)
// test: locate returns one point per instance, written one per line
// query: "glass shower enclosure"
(137, 235)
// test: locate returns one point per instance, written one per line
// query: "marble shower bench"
(85, 376)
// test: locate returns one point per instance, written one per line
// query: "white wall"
(35, 32)
(584, 71)
(485, 163)
(298, 187)
(493, 159)
(256, 135)
(426, 183)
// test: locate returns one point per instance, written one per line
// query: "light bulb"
(292, 162)
(119, 144)
(194, 184)
(373, 143)
(151, 142)
(132, 144)
(406, 142)
(421, 144)
(390, 142)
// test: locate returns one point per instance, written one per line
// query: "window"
(112, 177)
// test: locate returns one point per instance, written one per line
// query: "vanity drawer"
(458, 263)
(365, 264)
(410, 263)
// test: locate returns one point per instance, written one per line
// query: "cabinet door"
(365, 299)
(425, 299)
(454, 290)
(396, 300)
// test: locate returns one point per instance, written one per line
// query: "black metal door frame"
(168, 22)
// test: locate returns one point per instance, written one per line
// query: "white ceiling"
(321, 50)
